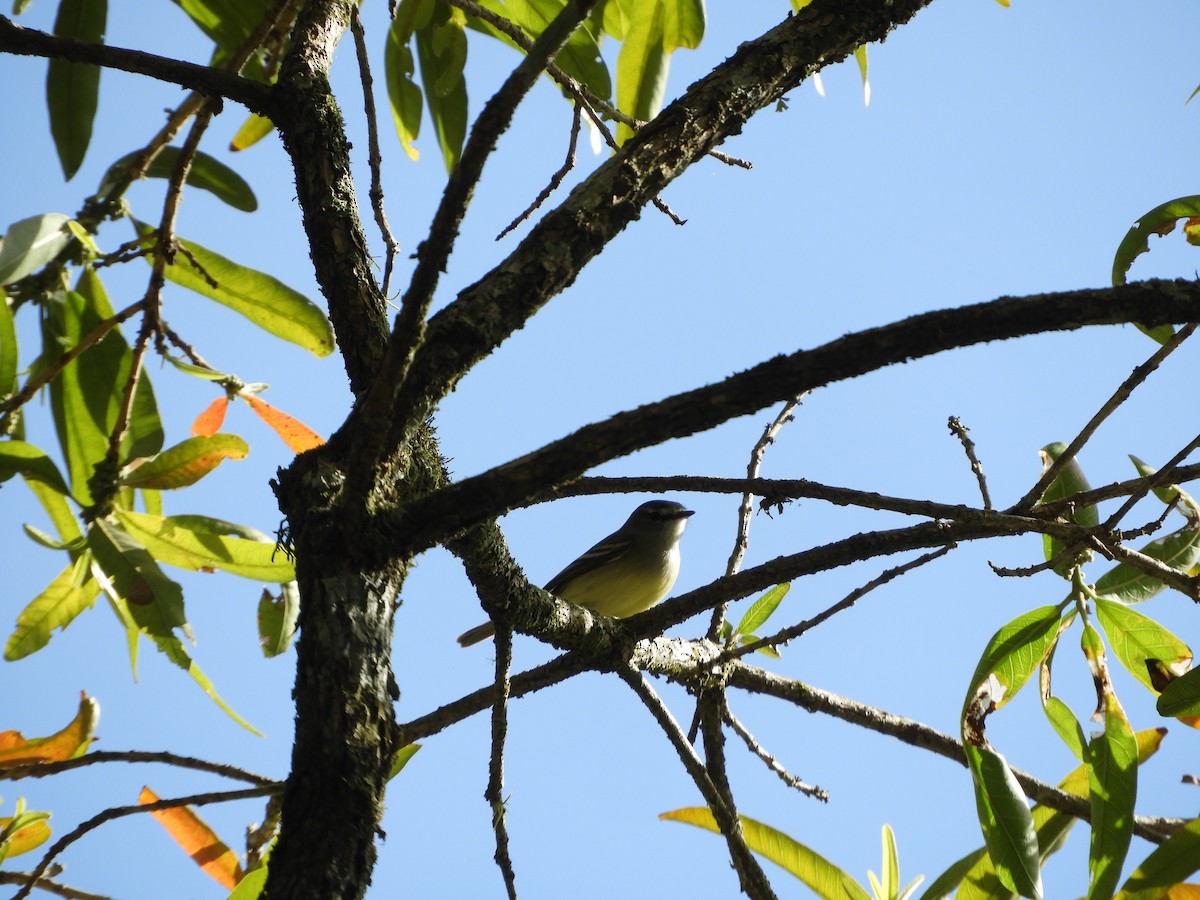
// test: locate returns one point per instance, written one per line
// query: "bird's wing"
(608, 550)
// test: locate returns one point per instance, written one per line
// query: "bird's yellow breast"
(626, 589)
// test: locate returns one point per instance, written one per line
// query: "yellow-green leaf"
(267, 302)
(206, 172)
(64, 598)
(196, 543)
(822, 876)
(185, 463)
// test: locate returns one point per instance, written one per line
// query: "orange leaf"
(210, 421)
(69, 743)
(295, 433)
(198, 841)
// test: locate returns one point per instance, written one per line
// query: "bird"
(628, 572)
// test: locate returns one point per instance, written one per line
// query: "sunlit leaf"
(1161, 221)
(1179, 550)
(1112, 768)
(975, 871)
(1066, 725)
(253, 130)
(442, 54)
(1004, 816)
(642, 64)
(860, 57)
(20, 458)
(1012, 655)
(268, 303)
(31, 243)
(404, 95)
(8, 347)
(69, 594)
(1169, 493)
(822, 876)
(401, 758)
(185, 463)
(199, 543)
(1182, 696)
(1168, 864)
(206, 172)
(70, 742)
(580, 58)
(762, 609)
(1136, 638)
(198, 841)
(73, 89)
(298, 436)
(20, 834)
(277, 618)
(87, 396)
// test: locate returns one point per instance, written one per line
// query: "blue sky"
(1004, 152)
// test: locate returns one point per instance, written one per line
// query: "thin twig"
(374, 159)
(1120, 395)
(495, 788)
(712, 705)
(770, 761)
(845, 603)
(726, 818)
(98, 757)
(118, 812)
(259, 836)
(1164, 476)
(963, 434)
(50, 887)
(555, 179)
(758, 681)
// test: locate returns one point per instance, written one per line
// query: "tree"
(363, 506)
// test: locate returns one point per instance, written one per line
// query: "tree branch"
(422, 524)
(211, 82)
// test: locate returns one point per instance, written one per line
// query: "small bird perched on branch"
(626, 573)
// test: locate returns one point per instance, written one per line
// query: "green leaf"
(889, 870)
(822, 876)
(762, 609)
(580, 58)
(268, 303)
(401, 758)
(1169, 493)
(1066, 725)
(228, 23)
(1169, 863)
(1136, 638)
(155, 602)
(73, 89)
(1112, 768)
(197, 543)
(185, 463)
(1161, 221)
(8, 348)
(1070, 481)
(31, 243)
(277, 618)
(1013, 654)
(57, 508)
(20, 458)
(404, 95)
(860, 57)
(206, 173)
(253, 130)
(86, 397)
(1008, 829)
(946, 883)
(442, 54)
(1182, 696)
(1178, 550)
(642, 64)
(69, 594)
